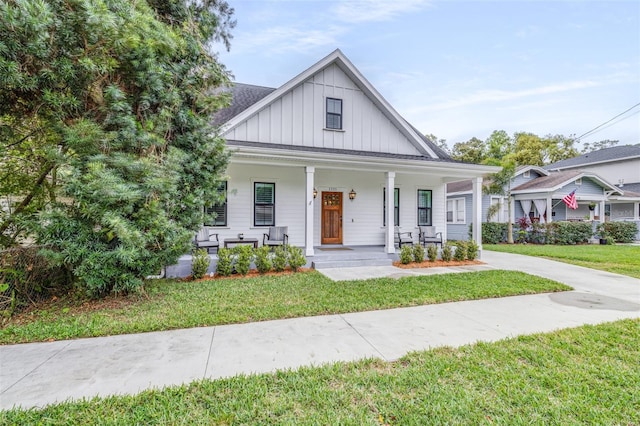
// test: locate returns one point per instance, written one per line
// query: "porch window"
(456, 210)
(424, 207)
(264, 206)
(396, 206)
(217, 214)
(334, 113)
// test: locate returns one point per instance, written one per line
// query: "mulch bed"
(438, 264)
(251, 273)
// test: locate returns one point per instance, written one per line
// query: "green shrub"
(27, 277)
(200, 263)
(262, 259)
(225, 262)
(432, 252)
(621, 232)
(406, 254)
(418, 253)
(569, 233)
(537, 233)
(296, 258)
(280, 259)
(447, 252)
(492, 233)
(472, 250)
(245, 256)
(460, 252)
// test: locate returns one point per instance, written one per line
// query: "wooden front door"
(331, 218)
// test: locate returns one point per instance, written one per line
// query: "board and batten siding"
(298, 118)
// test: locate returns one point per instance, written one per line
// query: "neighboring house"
(619, 165)
(321, 154)
(534, 193)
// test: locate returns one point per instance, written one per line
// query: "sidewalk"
(37, 374)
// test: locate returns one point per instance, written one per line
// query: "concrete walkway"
(36, 374)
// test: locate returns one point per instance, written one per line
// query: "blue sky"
(460, 69)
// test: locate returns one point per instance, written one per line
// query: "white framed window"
(526, 174)
(334, 114)
(456, 211)
(578, 181)
(499, 214)
(217, 214)
(264, 204)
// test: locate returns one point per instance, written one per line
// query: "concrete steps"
(347, 259)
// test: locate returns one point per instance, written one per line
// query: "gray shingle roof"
(242, 97)
(460, 186)
(602, 155)
(547, 182)
(245, 95)
(630, 189)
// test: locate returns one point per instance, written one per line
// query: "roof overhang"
(242, 154)
(611, 188)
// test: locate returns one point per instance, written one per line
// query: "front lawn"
(620, 259)
(586, 375)
(170, 304)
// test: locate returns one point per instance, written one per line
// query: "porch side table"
(253, 241)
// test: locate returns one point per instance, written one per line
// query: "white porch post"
(389, 243)
(601, 212)
(636, 211)
(549, 209)
(477, 213)
(308, 195)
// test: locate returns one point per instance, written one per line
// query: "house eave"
(250, 154)
(612, 160)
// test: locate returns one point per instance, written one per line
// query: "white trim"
(297, 158)
(454, 211)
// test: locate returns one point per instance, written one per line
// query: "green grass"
(586, 375)
(174, 304)
(620, 259)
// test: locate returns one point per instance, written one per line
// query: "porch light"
(315, 193)
(352, 195)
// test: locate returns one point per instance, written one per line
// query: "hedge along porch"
(320, 153)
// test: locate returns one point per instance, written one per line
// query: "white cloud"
(358, 11)
(288, 39)
(488, 96)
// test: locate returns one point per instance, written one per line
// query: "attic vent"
(526, 174)
(578, 181)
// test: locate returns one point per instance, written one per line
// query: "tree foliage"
(523, 148)
(106, 147)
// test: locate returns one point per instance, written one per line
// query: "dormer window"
(334, 113)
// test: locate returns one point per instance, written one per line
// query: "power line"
(607, 122)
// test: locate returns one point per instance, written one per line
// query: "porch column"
(477, 213)
(389, 243)
(636, 211)
(549, 209)
(308, 211)
(601, 212)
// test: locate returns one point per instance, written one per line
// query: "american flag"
(570, 200)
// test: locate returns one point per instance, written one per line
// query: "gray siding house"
(536, 193)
